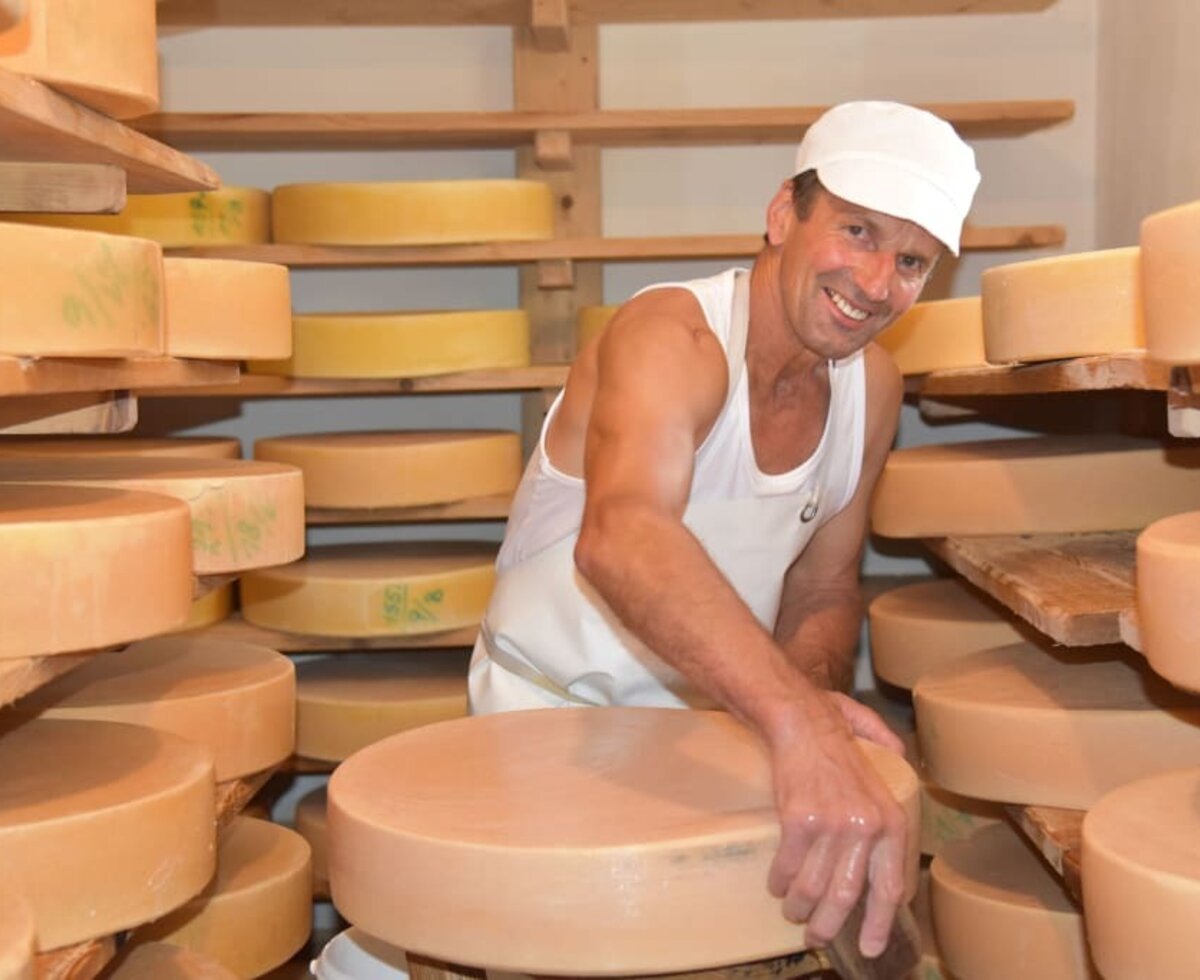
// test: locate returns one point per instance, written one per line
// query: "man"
(690, 527)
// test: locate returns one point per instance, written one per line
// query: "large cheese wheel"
(224, 309)
(346, 702)
(399, 469)
(379, 589)
(210, 608)
(312, 824)
(931, 966)
(590, 322)
(1048, 484)
(236, 699)
(916, 627)
(938, 335)
(257, 911)
(612, 840)
(999, 913)
(201, 447)
(1168, 597)
(1035, 725)
(102, 825)
(88, 567)
(162, 961)
(1170, 243)
(79, 294)
(402, 345)
(1141, 878)
(244, 514)
(102, 53)
(433, 212)
(16, 937)
(1063, 306)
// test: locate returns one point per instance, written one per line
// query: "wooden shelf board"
(202, 585)
(1057, 834)
(476, 509)
(234, 794)
(74, 413)
(83, 961)
(1071, 587)
(61, 375)
(1102, 372)
(25, 675)
(40, 125)
(236, 628)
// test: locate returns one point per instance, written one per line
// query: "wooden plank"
(1072, 587)
(1058, 835)
(236, 628)
(550, 24)
(1127, 624)
(477, 509)
(1102, 372)
(78, 188)
(23, 676)
(202, 585)
(59, 375)
(73, 413)
(83, 961)
(234, 794)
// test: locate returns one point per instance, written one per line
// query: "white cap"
(895, 159)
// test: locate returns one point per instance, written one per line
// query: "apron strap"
(506, 661)
(739, 328)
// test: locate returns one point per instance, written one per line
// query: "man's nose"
(874, 275)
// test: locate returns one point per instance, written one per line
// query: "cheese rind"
(212, 607)
(312, 824)
(16, 937)
(1170, 243)
(939, 335)
(663, 826)
(1168, 596)
(162, 961)
(590, 322)
(399, 469)
(227, 310)
(200, 447)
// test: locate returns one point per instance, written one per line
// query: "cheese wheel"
(939, 335)
(1063, 306)
(101, 53)
(999, 913)
(402, 345)
(931, 966)
(947, 817)
(102, 825)
(347, 702)
(1170, 244)
(236, 699)
(224, 309)
(244, 514)
(590, 322)
(1168, 597)
(399, 469)
(312, 824)
(200, 447)
(80, 294)
(16, 937)
(658, 823)
(1141, 878)
(162, 961)
(1033, 486)
(227, 216)
(87, 567)
(379, 589)
(257, 911)
(1053, 727)
(210, 608)
(916, 627)
(433, 212)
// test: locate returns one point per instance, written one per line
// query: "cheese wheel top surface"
(1152, 823)
(384, 560)
(998, 866)
(1178, 534)
(355, 441)
(944, 600)
(46, 504)
(202, 447)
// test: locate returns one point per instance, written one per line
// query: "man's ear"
(780, 214)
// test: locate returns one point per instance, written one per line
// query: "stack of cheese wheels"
(1064, 306)
(399, 469)
(102, 53)
(257, 911)
(940, 335)
(378, 589)
(88, 567)
(228, 216)
(1034, 725)
(999, 913)
(244, 514)
(81, 294)
(16, 937)
(1168, 597)
(590, 322)
(312, 824)
(212, 607)
(662, 827)
(1141, 878)
(931, 966)
(219, 308)
(102, 825)
(236, 699)
(347, 702)
(1033, 486)
(434, 212)
(162, 961)
(201, 447)
(1170, 243)
(402, 345)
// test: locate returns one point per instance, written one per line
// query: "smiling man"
(690, 528)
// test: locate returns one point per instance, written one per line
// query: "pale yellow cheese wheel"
(79, 294)
(612, 841)
(257, 911)
(103, 54)
(399, 469)
(102, 825)
(162, 961)
(238, 700)
(210, 608)
(200, 447)
(378, 589)
(225, 309)
(590, 322)
(1141, 878)
(916, 627)
(312, 824)
(931, 966)
(939, 335)
(16, 937)
(244, 513)
(999, 913)
(1063, 306)
(1170, 243)
(347, 701)
(1047, 484)
(1055, 727)
(402, 345)
(432, 212)
(88, 567)
(1168, 597)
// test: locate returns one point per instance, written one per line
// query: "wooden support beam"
(549, 21)
(557, 274)
(552, 149)
(72, 188)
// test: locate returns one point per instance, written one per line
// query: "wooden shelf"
(1099, 373)
(236, 628)
(1058, 835)
(476, 509)
(74, 413)
(23, 676)
(61, 375)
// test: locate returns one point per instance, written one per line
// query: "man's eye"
(856, 230)
(911, 263)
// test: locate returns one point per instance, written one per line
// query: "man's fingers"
(883, 897)
(865, 723)
(811, 882)
(794, 843)
(845, 886)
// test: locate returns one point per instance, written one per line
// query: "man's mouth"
(845, 306)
